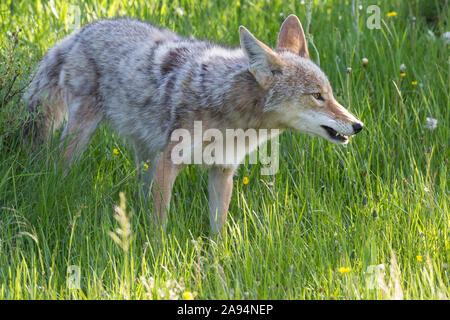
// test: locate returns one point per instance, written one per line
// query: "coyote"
(148, 82)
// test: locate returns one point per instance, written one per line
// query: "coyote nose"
(357, 127)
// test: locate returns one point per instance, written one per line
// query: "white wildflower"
(180, 11)
(431, 123)
(430, 35)
(446, 37)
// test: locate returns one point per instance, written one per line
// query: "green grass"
(383, 199)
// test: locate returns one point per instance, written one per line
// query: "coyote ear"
(263, 62)
(292, 38)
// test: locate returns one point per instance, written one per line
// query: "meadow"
(366, 221)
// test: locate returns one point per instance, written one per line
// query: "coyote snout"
(341, 124)
(325, 118)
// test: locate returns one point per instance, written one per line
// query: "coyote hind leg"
(84, 116)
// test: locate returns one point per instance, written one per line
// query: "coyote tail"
(45, 98)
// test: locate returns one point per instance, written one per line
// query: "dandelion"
(402, 68)
(115, 151)
(419, 258)
(145, 165)
(365, 62)
(430, 35)
(245, 180)
(187, 295)
(344, 270)
(331, 296)
(431, 123)
(180, 11)
(391, 14)
(349, 70)
(402, 74)
(414, 83)
(446, 37)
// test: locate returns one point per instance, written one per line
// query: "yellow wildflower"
(419, 258)
(414, 83)
(245, 180)
(344, 270)
(115, 151)
(402, 74)
(145, 165)
(187, 295)
(391, 14)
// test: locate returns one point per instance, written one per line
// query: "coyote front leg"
(162, 187)
(220, 188)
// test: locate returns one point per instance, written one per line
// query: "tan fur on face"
(338, 112)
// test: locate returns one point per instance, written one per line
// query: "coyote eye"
(276, 72)
(318, 96)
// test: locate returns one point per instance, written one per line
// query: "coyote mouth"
(334, 135)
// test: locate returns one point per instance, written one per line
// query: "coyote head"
(299, 95)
